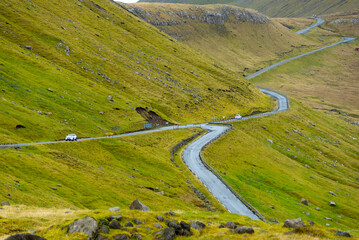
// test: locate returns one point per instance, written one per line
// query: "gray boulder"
(230, 225)
(121, 237)
(165, 234)
(25, 236)
(294, 223)
(243, 229)
(6, 203)
(332, 193)
(160, 218)
(304, 201)
(137, 205)
(157, 225)
(332, 204)
(114, 209)
(197, 225)
(117, 217)
(129, 224)
(343, 234)
(136, 221)
(86, 225)
(114, 224)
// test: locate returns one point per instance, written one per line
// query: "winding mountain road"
(319, 22)
(192, 153)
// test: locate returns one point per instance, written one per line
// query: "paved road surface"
(319, 22)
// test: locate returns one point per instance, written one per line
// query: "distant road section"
(346, 39)
(319, 22)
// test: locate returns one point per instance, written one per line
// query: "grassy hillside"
(280, 8)
(241, 39)
(274, 162)
(85, 67)
(345, 23)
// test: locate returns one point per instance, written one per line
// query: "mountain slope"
(89, 67)
(241, 39)
(280, 8)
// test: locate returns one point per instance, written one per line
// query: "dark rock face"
(197, 225)
(160, 218)
(86, 225)
(117, 217)
(114, 224)
(165, 234)
(294, 223)
(243, 229)
(129, 224)
(137, 205)
(343, 234)
(136, 221)
(25, 236)
(304, 201)
(219, 15)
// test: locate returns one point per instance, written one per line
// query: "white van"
(238, 116)
(71, 137)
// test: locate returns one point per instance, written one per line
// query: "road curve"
(192, 153)
(319, 22)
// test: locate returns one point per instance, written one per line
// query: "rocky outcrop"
(86, 225)
(137, 205)
(25, 236)
(294, 223)
(169, 16)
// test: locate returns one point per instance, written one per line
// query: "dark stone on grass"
(20, 126)
(221, 226)
(165, 234)
(86, 225)
(101, 237)
(174, 224)
(157, 225)
(117, 217)
(329, 219)
(103, 222)
(28, 47)
(129, 224)
(114, 224)
(230, 225)
(311, 223)
(136, 221)
(332, 204)
(171, 213)
(185, 226)
(6, 203)
(138, 236)
(332, 193)
(160, 218)
(304, 201)
(294, 223)
(53, 188)
(25, 236)
(137, 205)
(104, 229)
(197, 225)
(243, 229)
(343, 234)
(121, 237)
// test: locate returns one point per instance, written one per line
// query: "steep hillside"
(241, 39)
(346, 23)
(280, 8)
(90, 66)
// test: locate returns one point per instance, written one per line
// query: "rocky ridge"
(170, 16)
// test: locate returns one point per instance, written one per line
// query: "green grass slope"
(274, 162)
(60, 62)
(281, 8)
(241, 39)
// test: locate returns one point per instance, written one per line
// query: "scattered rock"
(160, 218)
(332, 193)
(318, 209)
(221, 226)
(129, 224)
(121, 237)
(294, 223)
(136, 221)
(343, 234)
(86, 225)
(230, 225)
(6, 203)
(28, 47)
(165, 234)
(100, 237)
(138, 236)
(110, 98)
(20, 126)
(198, 225)
(137, 205)
(53, 188)
(117, 217)
(329, 219)
(170, 213)
(157, 225)
(25, 236)
(104, 229)
(243, 229)
(270, 141)
(272, 207)
(311, 223)
(114, 209)
(304, 201)
(332, 204)
(114, 224)
(50, 90)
